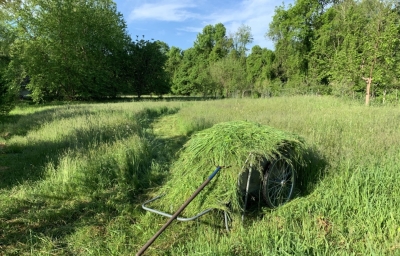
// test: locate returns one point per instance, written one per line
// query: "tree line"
(74, 50)
(336, 47)
(80, 50)
(342, 47)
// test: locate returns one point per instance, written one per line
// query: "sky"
(177, 22)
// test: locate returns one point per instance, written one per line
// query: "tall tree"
(292, 31)
(183, 83)
(146, 70)
(229, 75)
(7, 93)
(356, 47)
(380, 37)
(69, 49)
(260, 68)
(221, 44)
(240, 39)
(192, 76)
(173, 63)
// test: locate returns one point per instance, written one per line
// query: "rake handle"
(176, 214)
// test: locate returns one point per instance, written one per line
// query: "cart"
(276, 187)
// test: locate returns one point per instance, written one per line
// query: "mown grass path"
(166, 127)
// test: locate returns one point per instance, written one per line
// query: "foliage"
(260, 68)
(228, 75)
(173, 62)
(69, 49)
(192, 75)
(145, 70)
(80, 50)
(364, 43)
(212, 42)
(7, 94)
(240, 39)
(182, 77)
(292, 32)
(338, 44)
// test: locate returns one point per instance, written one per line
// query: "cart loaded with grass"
(254, 162)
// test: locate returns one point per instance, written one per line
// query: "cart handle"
(141, 251)
(170, 215)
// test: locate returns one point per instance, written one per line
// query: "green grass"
(73, 177)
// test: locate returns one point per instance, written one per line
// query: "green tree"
(229, 75)
(211, 45)
(221, 43)
(7, 93)
(69, 49)
(146, 73)
(260, 68)
(356, 47)
(174, 60)
(212, 42)
(381, 38)
(293, 30)
(192, 76)
(240, 39)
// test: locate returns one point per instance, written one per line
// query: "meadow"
(73, 177)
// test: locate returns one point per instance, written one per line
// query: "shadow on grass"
(42, 220)
(26, 162)
(48, 220)
(128, 98)
(17, 124)
(162, 98)
(308, 177)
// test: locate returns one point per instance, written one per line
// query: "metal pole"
(144, 248)
(247, 191)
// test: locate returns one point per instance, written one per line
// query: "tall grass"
(72, 179)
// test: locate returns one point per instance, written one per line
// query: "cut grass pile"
(237, 144)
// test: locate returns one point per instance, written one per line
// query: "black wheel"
(278, 183)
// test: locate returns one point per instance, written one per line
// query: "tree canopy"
(80, 50)
(343, 48)
(75, 50)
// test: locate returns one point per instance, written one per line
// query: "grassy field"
(73, 177)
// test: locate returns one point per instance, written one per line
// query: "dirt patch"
(3, 168)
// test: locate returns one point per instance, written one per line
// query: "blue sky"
(177, 22)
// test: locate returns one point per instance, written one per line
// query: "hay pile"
(237, 144)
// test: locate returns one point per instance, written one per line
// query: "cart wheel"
(278, 183)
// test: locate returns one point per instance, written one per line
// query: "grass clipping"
(236, 144)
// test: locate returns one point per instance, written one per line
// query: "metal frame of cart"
(277, 188)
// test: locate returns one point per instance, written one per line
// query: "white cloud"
(164, 11)
(257, 14)
(192, 15)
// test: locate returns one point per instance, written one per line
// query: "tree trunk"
(367, 96)
(368, 89)
(384, 97)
